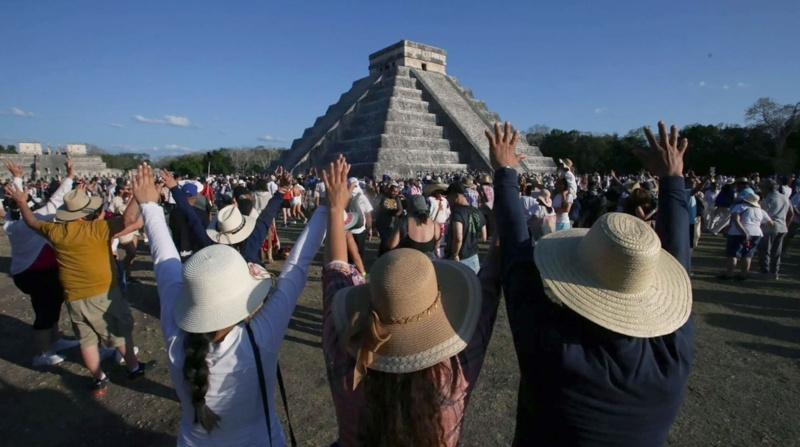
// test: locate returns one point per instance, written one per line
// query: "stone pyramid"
(407, 116)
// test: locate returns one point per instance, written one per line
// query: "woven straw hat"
(617, 276)
(752, 199)
(433, 187)
(229, 226)
(424, 312)
(78, 205)
(486, 179)
(218, 290)
(631, 185)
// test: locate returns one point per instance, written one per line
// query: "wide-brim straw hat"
(631, 186)
(230, 226)
(433, 187)
(218, 290)
(616, 275)
(429, 308)
(742, 180)
(78, 205)
(486, 179)
(468, 182)
(752, 199)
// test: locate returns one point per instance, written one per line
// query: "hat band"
(235, 230)
(83, 207)
(417, 317)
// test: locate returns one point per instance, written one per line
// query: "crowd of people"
(595, 271)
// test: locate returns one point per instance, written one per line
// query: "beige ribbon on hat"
(369, 341)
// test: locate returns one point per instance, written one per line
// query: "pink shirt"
(339, 364)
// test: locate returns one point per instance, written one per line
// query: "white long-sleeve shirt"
(26, 243)
(233, 386)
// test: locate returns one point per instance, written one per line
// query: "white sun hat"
(229, 226)
(218, 290)
(617, 275)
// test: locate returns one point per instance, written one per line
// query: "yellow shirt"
(86, 266)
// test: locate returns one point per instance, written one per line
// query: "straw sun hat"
(229, 226)
(218, 290)
(752, 199)
(78, 205)
(413, 314)
(617, 275)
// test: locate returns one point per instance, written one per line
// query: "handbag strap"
(262, 385)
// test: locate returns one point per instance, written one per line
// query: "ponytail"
(195, 371)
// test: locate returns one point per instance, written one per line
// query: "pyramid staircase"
(400, 122)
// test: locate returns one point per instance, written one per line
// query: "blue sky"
(170, 76)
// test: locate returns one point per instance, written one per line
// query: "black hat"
(455, 188)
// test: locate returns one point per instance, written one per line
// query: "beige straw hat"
(78, 205)
(486, 179)
(413, 314)
(617, 275)
(752, 199)
(434, 187)
(218, 290)
(631, 185)
(229, 226)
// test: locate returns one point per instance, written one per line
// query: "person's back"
(419, 235)
(777, 206)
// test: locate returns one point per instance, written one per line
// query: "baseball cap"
(190, 189)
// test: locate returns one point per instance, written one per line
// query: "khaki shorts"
(105, 318)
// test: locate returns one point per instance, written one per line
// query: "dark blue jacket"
(251, 250)
(580, 384)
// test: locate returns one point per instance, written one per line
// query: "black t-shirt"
(472, 221)
(387, 210)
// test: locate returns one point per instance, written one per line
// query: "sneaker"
(305, 220)
(133, 376)
(63, 343)
(120, 359)
(49, 358)
(100, 387)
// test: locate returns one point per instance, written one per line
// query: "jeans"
(562, 226)
(472, 262)
(769, 252)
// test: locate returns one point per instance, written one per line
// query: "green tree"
(219, 160)
(779, 121)
(187, 164)
(11, 149)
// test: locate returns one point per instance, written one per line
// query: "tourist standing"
(562, 202)
(779, 209)
(416, 230)
(467, 225)
(34, 268)
(390, 208)
(744, 235)
(96, 306)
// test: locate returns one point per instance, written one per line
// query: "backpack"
(575, 211)
(353, 207)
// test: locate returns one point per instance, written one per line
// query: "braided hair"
(195, 371)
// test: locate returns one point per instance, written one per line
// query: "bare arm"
(352, 248)
(458, 238)
(737, 220)
(394, 241)
(483, 233)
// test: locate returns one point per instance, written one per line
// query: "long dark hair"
(195, 371)
(405, 409)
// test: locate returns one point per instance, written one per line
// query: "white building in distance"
(30, 148)
(76, 149)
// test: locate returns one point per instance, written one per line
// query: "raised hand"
(14, 169)
(70, 168)
(335, 179)
(503, 147)
(144, 185)
(285, 180)
(13, 191)
(169, 180)
(665, 156)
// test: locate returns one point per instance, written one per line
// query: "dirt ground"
(744, 389)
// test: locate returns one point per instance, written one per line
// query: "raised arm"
(272, 319)
(196, 228)
(166, 261)
(665, 159)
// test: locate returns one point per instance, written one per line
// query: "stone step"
(395, 142)
(413, 130)
(398, 170)
(394, 103)
(402, 156)
(394, 91)
(366, 119)
(398, 81)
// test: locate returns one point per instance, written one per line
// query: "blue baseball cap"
(190, 189)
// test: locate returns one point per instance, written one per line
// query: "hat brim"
(67, 216)
(664, 308)
(230, 239)
(430, 189)
(437, 337)
(235, 308)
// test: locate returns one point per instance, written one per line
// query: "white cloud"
(175, 146)
(17, 112)
(270, 138)
(170, 120)
(702, 83)
(742, 84)
(725, 87)
(116, 125)
(600, 110)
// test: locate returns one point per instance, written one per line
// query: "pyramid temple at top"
(407, 116)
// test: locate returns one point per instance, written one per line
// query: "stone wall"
(85, 166)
